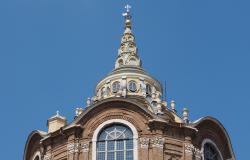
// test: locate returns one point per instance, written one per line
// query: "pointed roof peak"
(127, 53)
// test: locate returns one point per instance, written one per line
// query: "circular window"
(115, 87)
(132, 86)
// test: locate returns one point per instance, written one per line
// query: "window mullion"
(106, 150)
(115, 150)
(125, 149)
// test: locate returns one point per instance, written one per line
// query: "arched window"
(210, 150)
(116, 87)
(115, 142)
(148, 89)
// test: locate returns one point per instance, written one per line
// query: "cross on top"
(128, 7)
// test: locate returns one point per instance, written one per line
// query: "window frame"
(132, 82)
(108, 123)
(209, 141)
(116, 86)
(37, 154)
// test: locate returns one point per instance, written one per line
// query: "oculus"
(132, 86)
(116, 87)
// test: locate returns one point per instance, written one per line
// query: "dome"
(129, 78)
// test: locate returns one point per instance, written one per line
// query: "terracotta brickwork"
(158, 139)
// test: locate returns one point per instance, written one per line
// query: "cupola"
(129, 78)
(56, 122)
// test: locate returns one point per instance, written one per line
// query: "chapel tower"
(127, 119)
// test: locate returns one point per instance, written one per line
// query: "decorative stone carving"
(73, 148)
(190, 149)
(143, 87)
(144, 142)
(85, 147)
(158, 142)
(47, 157)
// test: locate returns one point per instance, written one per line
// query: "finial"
(172, 105)
(78, 111)
(127, 16)
(128, 7)
(57, 113)
(88, 102)
(185, 113)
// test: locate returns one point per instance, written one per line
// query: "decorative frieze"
(158, 142)
(85, 147)
(155, 141)
(144, 142)
(73, 148)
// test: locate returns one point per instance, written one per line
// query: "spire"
(127, 53)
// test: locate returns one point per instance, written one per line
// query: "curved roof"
(199, 122)
(33, 134)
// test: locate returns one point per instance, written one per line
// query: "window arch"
(111, 132)
(37, 156)
(115, 142)
(210, 151)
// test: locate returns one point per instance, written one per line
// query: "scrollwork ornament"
(144, 142)
(85, 147)
(73, 148)
(189, 148)
(158, 142)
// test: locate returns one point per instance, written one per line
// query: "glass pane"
(128, 134)
(129, 144)
(120, 155)
(102, 136)
(111, 156)
(101, 146)
(101, 156)
(129, 155)
(111, 145)
(120, 145)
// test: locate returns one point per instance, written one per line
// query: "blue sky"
(53, 52)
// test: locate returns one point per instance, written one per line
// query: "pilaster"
(157, 147)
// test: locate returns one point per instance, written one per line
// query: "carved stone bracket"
(47, 157)
(85, 147)
(158, 142)
(191, 149)
(73, 148)
(144, 142)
